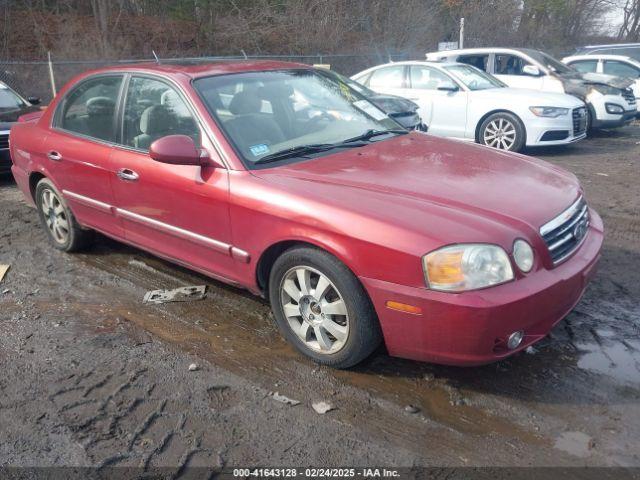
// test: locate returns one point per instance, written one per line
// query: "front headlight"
(458, 268)
(552, 112)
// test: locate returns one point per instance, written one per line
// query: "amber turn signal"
(403, 307)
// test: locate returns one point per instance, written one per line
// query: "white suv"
(610, 101)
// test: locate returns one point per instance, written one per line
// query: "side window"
(90, 108)
(509, 65)
(387, 77)
(478, 61)
(153, 109)
(585, 66)
(426, 78)
(620, 69)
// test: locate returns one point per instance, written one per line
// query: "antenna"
(155, 56)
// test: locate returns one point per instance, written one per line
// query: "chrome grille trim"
(579, 117)
(566, 232)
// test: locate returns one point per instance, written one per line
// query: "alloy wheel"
(500, 133)
(315, 309)
(55, 216)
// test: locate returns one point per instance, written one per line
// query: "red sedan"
(282, 179)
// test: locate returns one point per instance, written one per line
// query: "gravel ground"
(92, 377)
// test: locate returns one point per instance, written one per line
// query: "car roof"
(611, 45)
(195, 68)
(603, 56)
(464, 51)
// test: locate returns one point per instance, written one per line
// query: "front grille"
(4, 142)
(565, 233)
(579, 121)
(629, 96)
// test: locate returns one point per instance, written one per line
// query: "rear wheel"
(322, 309)
(504, 131)
(63, 230)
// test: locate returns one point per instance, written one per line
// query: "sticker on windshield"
(261, 149)
(370, 109)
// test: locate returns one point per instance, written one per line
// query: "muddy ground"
(91, 376)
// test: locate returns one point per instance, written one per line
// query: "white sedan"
(458, 100)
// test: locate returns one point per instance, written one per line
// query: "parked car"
(356, 230)
(616, 65)
(610, 101)
(402, 110)
(460, 101)
(12, 106)
(626, 49)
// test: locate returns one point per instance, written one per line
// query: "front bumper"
(600, 118)
(471, 328)
(616, 120)
(542, 131)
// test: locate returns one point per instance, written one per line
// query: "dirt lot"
(91, 376)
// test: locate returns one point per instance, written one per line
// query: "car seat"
(156, 122)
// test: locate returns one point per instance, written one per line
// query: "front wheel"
(504, 131)
(322, 309)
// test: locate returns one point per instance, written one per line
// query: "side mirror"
(34, 100)
(449, 87)
(531, 70)
(176, 150)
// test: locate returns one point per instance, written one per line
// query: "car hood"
(532, 97)
(392, 104)
(11, 115)
(580, 84)
(409, 176)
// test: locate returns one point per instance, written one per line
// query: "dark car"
(12, 106)
(627, 49)
(403, 111)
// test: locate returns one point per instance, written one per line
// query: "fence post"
(51, 77)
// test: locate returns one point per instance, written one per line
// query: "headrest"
(157, 119)
(100, 106)
(276, 90)
(245, 102)
(172, 101)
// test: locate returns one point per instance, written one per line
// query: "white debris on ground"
(182, 294)
(322, 407)
(283, 399)
(3, 271)
(193, 367)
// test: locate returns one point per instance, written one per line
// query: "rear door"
(178, 211)
(390, 79)
(445, 111)
(79, 146)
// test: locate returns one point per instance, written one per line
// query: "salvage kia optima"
(277, 178)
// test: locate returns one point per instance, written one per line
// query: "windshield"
(549, 62)
(473, 78)
(266, 113)
(9, 100)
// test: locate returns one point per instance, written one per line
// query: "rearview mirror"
(34, 100)
(448, 87)
(531, 70)
(176, 150)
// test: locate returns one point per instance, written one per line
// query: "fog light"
(614, 109)
(515, 339)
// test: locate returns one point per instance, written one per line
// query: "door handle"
(53, 155)
(128, 175)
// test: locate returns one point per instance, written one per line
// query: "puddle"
(575, 443)
(617, 359)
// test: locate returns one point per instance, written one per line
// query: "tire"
(56, 218)
(330, 337)
(495, 131)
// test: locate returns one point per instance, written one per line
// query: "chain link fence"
(33, 78)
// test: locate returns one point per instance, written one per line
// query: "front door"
(79, 148)
(509, 69)
(442, 108)
(176, 211)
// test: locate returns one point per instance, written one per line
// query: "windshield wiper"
(369, 134)
(303, 150)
